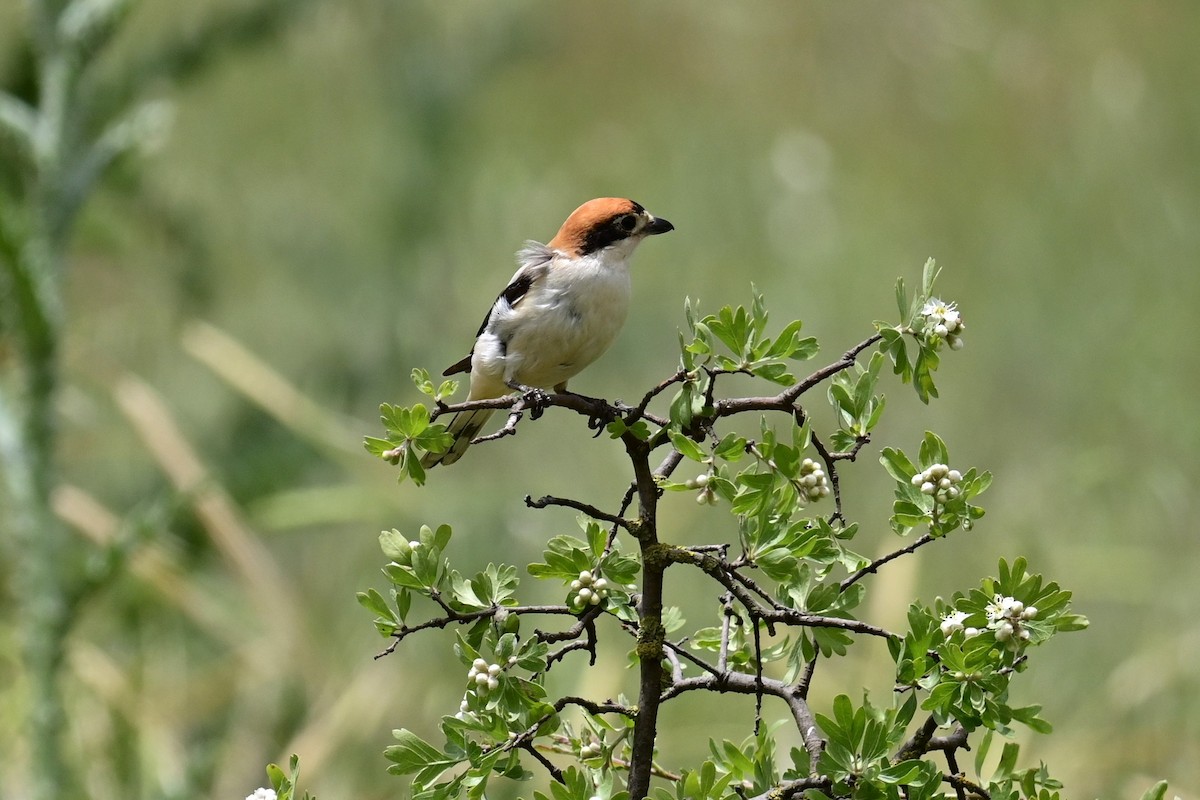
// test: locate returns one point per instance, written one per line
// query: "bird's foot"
(534, 399)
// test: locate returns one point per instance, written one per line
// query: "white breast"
(562, 325)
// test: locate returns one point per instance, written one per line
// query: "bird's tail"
(465, 426)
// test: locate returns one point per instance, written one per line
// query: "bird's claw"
(534, 399)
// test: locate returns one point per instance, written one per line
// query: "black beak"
(658, 225)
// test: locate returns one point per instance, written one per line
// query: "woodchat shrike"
(559, 313)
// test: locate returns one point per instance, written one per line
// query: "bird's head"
(607, 223)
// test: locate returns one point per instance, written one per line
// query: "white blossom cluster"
(943, 321)
(589, 589)
(813, 483)
(591, 750)
(1006, 620)
(706, 496)
(1005, 617)
(940, 482)
(262, 794)
(484, 676)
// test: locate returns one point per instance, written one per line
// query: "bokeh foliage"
(341, 200)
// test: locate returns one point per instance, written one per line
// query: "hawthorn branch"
(961, 784)
(639, 410)
(741, 683)
(590, 510)
(555, 773)
(651, 634)
(774, 613)
(952, 765)
(831, 469)
(879, 562)
(923, 741)
(785, 400)
(460, 617)
(788, 790)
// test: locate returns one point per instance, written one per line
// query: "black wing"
(512, 294)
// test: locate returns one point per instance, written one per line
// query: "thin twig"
(879, 562)
(460, 617)
(774, 613)
(566, 502)
(554, 771)
(785, 400)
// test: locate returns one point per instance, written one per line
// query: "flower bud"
(479, 664)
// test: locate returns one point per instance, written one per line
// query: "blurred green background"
(339, 203)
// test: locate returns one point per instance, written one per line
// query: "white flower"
(935, 310)
(262, 794)
(953, 622)
(943, 321)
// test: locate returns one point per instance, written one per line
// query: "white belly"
(555, 331)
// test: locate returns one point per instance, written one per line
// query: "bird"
(561, 310)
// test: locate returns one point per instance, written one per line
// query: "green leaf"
(731, 448)
(420, 378)
(805, 349)
(928, 276)
(687, 447)
(414, 754)
(1008, 760)
(1156, 792)
(373, 601)
(279, 780)
(981, 750)
(903, 773)
(441, 537)
(376, 446)
(933, 450)
(394, 545)
(902, 300)
(1029, 716)
(1071, 622)
(682, 404)
(922, 377)
(897, 465)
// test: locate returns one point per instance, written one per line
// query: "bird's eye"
(627, 222)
